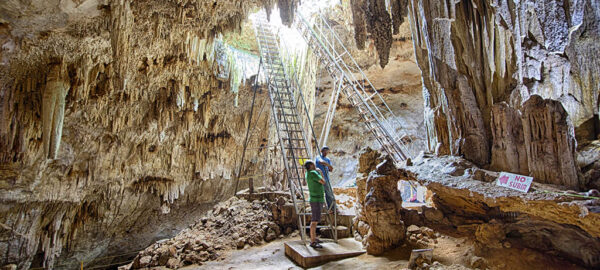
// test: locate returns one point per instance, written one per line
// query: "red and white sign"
(515, 181)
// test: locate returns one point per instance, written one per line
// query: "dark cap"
(306, 163)
(325, 148)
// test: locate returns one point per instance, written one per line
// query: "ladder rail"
(287, 119)
(343, 71)
(342, 65)
(279, 101)
(332, 224)
(364, 77)
(294, 173)
(356, 66)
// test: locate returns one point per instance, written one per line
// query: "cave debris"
(232, 224)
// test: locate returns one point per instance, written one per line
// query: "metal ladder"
(371, 106)
(293, 142)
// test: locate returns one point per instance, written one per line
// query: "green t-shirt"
(315, 189)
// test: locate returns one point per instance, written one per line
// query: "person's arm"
(326, 165)
(329, 167)
(319, 174)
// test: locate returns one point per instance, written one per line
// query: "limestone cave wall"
(512, 85)
(116, 126)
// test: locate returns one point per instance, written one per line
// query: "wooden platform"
(306, 256)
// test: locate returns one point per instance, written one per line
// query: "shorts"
(315, 209)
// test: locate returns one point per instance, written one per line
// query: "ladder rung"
(293, 139)
(286, 114)
(318, 226)
(371, 96)
(307, 158)
(309, 214)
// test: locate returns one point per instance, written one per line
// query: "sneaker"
(315, 245)
(318, 241)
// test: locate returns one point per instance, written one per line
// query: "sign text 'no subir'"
(514, 181)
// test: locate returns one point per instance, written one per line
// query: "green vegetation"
(244, 40)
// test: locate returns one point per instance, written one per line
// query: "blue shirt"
(324, 169)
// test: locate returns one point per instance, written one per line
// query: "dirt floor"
(451, 252)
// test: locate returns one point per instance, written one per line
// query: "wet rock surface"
(233, 224)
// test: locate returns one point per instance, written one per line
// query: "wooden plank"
(306, 256)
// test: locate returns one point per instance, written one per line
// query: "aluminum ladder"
(293, 142)
(374, 111)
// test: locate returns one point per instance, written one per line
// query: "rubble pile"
(421, 237)
(232, 224)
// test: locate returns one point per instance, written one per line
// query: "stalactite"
(57, 87)
(399, 9)
(373, 16)
(144, 99)
(358, 16)
(287, 9)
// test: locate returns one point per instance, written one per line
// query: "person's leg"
(313, 232)
(315, 218)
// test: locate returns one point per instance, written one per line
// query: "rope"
(570, 195)
(255, 89)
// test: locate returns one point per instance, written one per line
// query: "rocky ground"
(232, 224)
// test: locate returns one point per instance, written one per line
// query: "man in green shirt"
(317, 197)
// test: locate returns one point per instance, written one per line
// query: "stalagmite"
(550, 143)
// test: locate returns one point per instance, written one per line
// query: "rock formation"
(372, 16)
(550, 142)
(118, 124)
(475, 54)
(543, 219)
(508, 145)
(379, 219)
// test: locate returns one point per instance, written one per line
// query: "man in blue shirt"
(324, 164)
